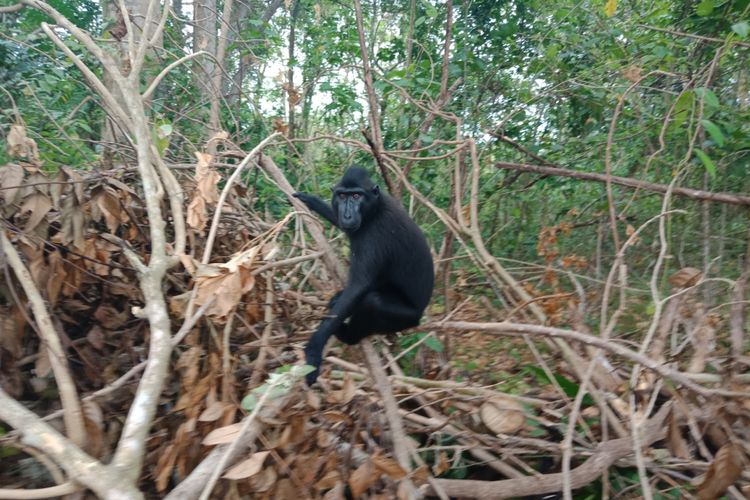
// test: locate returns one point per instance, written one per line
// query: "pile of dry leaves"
(72, 229)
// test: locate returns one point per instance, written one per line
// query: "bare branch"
(53, 491)
(105, 482)
(696, 194)
(225, 192)
(605, 456)
(151, 88)
(520, 329)
(72, 415)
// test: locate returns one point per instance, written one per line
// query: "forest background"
(580, 171)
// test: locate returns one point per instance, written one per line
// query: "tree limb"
(606, 454)
(696, 194)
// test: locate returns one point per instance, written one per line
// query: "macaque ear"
(376, 190)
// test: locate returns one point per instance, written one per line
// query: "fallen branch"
(50, 492)
(72, 414)
(605, 455)
(398, 435)
(696, 194)
(521, 329)
(190, 488)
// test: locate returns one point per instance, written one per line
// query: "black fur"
(391, 274)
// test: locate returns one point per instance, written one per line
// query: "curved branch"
(151, 88)
(520, 329)
(53, 491)
(605, 455)
(73, 415)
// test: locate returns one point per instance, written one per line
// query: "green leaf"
(682, 108)
(434, 344)
(742, 29)
(707, 162)
(249, 402)
(429, 9)
(300, 371)
(705, 8)
(709, 98)
(714, 131)
(426, 138)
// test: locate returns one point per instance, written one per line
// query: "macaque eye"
(355, 196)
(342, 196)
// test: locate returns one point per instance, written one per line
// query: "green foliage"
(279, 383)
(570, 387)
(406, 342)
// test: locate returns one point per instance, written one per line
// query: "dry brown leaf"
(388, 466)
(93, 419)
(42, 367)
(222, 435)
(313, 400)
(329, 480)
(248, 467)
(109, 317)
(632, 73)
(421, 474)
(188, 263)
(337, 416)
(37, 266)
(335, 493)
(56, 269)
(11, 176)
(20, 145)
(39, 205)
(723, 472)
(703, 341)
(202, 165)
(685, 277)
(106, 204)
(226, 282)
(362, 478)
(323, 439)
(188, 364)
(197, 217)
(442, 464)
(95, 337)
(294, 433)
(73, 219)
(164, 467)
(178, 304)
(11, 335)
(207, 186)
(221, 135)
(280, 126)
(502, 415)
(214, 412)
(264, 480)
(78, 183)
(675, 442)
(346, 394)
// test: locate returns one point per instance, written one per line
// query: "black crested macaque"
(391, 274)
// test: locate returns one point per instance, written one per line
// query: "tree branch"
(696, 194)
(606, 454)
(520, 329)
(73, 416)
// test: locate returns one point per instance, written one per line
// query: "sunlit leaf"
(705, 8)
(742, 29)
(610, 8)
